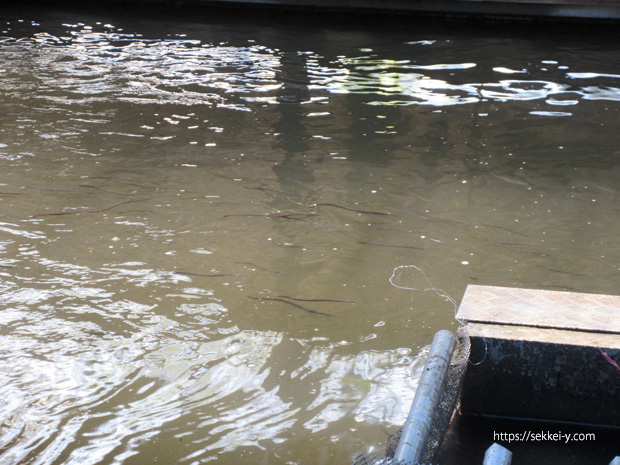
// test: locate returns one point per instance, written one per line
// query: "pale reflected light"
(374, 385)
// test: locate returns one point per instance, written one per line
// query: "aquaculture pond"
(231, 237)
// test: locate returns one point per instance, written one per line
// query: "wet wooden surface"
(540, 308)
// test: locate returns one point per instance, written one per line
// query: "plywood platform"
(541, 355)
(538, 308)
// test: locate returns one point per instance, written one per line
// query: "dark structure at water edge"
(576, 9)
(566, 10)
(535, 373)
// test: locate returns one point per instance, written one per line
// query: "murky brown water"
(226, 240)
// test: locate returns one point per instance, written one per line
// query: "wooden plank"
(539, 308)
(529, 334)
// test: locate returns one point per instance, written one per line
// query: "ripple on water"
(120, 342)
(70, 381)
(80, 391)
(373, 385)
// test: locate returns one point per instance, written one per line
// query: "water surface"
(233, 240)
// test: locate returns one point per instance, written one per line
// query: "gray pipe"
(497, 455)
(418, 425)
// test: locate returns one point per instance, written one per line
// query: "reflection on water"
(225, 241)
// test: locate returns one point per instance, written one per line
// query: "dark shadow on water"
(301, 20)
